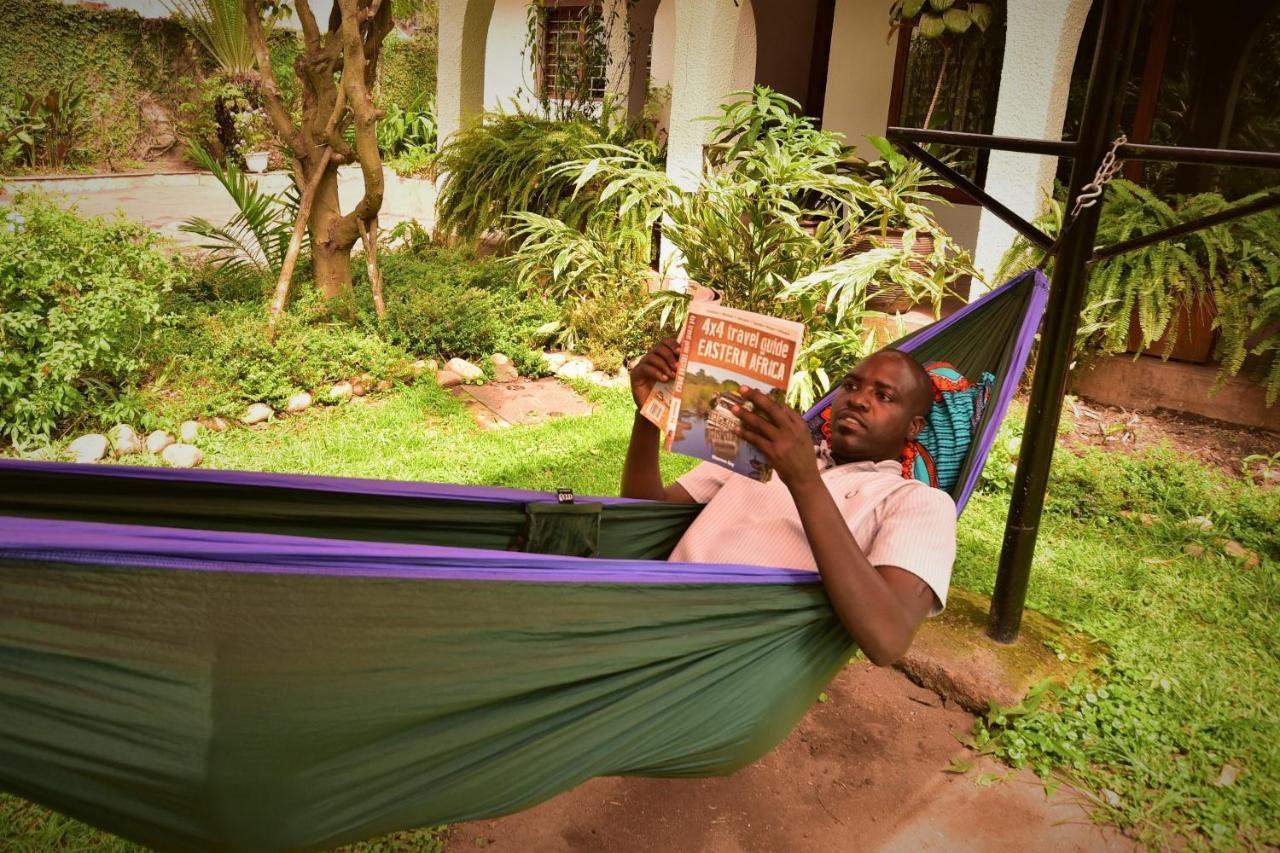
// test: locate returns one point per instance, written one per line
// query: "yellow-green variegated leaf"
(980, 14)
(956, 20)
(941, 5)
(931, 26)
(911, 8)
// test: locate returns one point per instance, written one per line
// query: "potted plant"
(256, 136)
(899, 215)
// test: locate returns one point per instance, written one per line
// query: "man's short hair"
(921, 394)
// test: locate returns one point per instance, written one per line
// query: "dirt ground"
(866, 770)
(863, 771)
(1219, 445)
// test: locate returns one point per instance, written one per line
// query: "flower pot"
(891, 298)
(1191, 323)
(256, 161)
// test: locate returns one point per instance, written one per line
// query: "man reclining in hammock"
(883, 544)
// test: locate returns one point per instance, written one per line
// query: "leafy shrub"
(448, 302)
(223, 360)
(81, 298)
(407, 136)
(503, 166)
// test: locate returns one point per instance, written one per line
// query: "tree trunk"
(331, 258)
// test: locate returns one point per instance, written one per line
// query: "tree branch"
(355, 77)
(270, 89)
(369, 234)
(295, 245)
(310, 31)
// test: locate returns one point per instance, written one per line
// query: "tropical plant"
(507, 163)
(944, 21)
(18, 130)
(255, 239)
(219, 25)
(407, 136)
(769, 228)
(1234, 264)
(56, 120)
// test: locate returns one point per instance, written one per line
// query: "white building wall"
(1041, 41)
(744, 49)
(509, 75)
(859, 73)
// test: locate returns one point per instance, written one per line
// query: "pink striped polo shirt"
(896, 522)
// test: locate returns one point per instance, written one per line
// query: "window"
(573, 52)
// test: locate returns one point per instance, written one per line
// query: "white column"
(706, 38)
(1041, 41)
(464, 27)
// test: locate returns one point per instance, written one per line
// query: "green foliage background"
(117, 55)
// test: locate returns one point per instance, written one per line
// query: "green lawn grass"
(1191, 683)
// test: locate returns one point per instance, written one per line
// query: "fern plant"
(1234, 264)
(506, 165)
(255, 239)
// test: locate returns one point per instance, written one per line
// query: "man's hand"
(657, 365)
(781, 435)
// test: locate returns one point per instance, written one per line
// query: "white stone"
(465, 369)
(182, 455)
(340, 392)
(554, 360)
(158, 441)
(599, 377)
(299, 402)
(503, 369)
(89, 448)
(124, 440)
(447, 379)
(577, 367)
(257, 413)
(189, 431)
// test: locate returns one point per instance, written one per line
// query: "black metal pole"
(1208, 156)
(1240, 211)
(978, 194)
(1057, 337)
(1018, 144)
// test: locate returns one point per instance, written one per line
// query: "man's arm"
(641, 477)
(880, 606)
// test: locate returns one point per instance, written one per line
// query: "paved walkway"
(165, 201)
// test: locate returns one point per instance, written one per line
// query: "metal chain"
(1110, 167)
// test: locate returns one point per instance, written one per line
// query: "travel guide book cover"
(722, 349)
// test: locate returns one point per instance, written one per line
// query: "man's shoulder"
(921, 499)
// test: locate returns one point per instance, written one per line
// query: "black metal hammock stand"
(1096, 157)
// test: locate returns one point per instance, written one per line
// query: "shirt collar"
(826, 462)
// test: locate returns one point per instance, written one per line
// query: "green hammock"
(284, 662)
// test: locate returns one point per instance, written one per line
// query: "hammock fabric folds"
(284, 662)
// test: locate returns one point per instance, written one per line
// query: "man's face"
(873, 414)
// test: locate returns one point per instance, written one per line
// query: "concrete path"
(498, 405)
(165, 201)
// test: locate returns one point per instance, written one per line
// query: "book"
(722, 349)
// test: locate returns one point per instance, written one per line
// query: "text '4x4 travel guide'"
(721, 350)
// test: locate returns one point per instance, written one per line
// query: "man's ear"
(915, 427)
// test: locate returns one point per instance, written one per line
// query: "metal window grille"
(567, 61)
